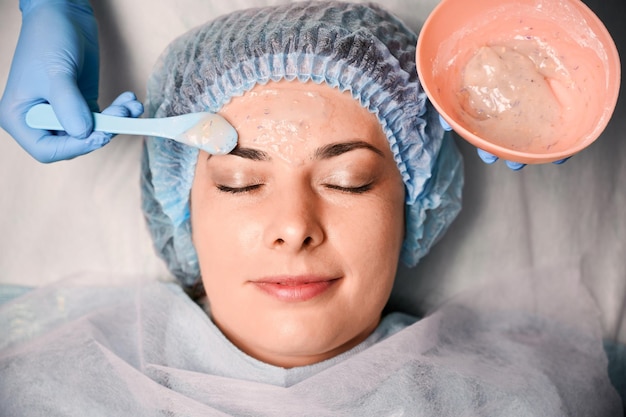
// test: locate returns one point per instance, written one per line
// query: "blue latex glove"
(125, 105)
(55, 61)
(490, 158)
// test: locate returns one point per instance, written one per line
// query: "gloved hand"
(490, 158)
(125, 105)
(55, 61)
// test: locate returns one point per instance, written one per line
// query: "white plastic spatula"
(207, 131)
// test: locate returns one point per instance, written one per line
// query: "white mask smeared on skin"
(282, 124)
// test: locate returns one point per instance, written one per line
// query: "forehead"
(293, 112)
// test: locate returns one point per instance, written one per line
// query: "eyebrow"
(250, 153)
(336, 149)
(324, 152)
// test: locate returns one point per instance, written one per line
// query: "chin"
(296, 340)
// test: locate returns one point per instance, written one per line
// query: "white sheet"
(83, 215)
(527, 349)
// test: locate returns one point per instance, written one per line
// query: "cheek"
(370, 247)
(221, 242)
(371, 236)
(220, 237)
(210, 230)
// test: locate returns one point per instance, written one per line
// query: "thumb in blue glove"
(55, 61)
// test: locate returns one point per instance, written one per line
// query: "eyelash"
(238, 190)
(248, 188)
(352, 190)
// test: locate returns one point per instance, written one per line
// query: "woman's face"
(299, 229)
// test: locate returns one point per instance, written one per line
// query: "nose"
(295, 223)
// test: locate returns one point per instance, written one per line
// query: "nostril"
(282, 242)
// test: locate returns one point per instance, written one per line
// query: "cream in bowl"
(530, 81)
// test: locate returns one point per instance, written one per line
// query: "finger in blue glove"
(444, 124)
(489, 158)
(125, 105)
(486, 157)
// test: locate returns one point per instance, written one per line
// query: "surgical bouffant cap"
(357, 48)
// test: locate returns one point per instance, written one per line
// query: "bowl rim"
(614, 76)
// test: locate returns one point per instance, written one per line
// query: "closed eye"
(352, 190)
(238, 190)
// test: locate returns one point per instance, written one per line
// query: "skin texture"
(311, 193)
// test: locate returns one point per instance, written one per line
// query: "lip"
(295, 288)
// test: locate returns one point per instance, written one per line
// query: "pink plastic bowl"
(567, 30)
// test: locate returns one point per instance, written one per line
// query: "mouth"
(295, 288)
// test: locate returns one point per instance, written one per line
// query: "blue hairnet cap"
(352, 47)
